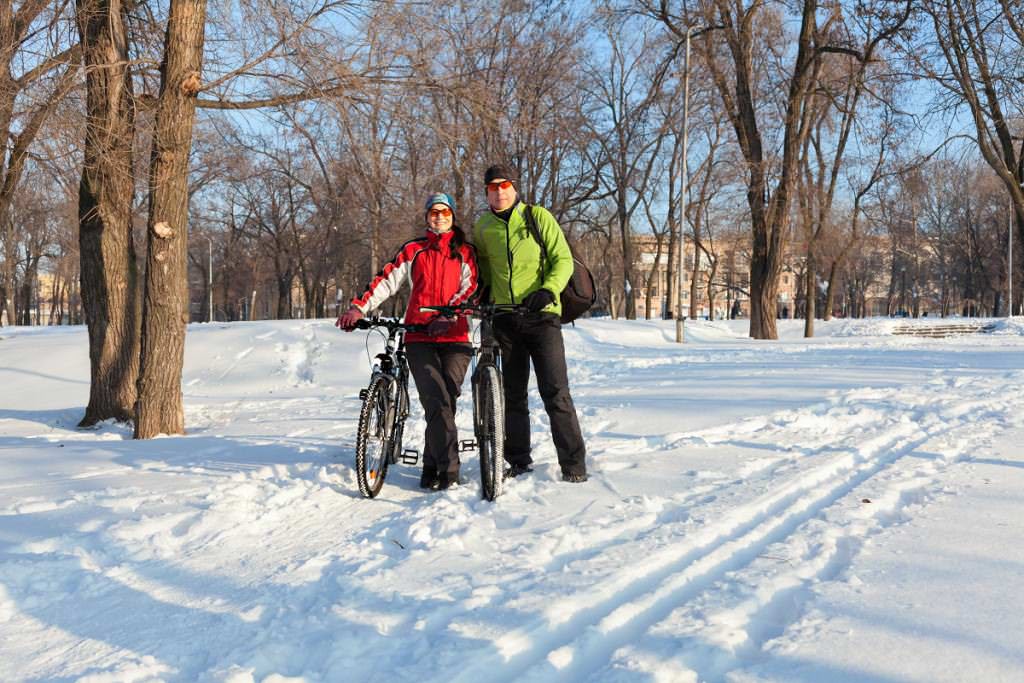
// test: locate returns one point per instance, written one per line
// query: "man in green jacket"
(512, 268)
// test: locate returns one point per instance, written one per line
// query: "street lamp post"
(685, 188)
(209, 242)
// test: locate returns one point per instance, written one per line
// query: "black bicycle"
(488, 394)
(385, 409)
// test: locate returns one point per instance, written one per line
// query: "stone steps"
(943, 329)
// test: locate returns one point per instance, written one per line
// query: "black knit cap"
(501, 171)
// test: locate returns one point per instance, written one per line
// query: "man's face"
(501, 194)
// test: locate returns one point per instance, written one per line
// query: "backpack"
(579, 293)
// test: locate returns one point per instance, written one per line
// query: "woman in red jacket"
(440, 268)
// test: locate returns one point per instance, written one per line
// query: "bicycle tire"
(490, 436)
(401, 400)
(373, 447)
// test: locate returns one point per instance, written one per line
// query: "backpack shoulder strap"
(531, 225)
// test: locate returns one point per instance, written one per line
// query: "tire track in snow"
(574, 643)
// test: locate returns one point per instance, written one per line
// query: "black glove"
(539, 300)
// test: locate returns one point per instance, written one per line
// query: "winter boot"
(513, 471)
(446, 480)
(428, 479)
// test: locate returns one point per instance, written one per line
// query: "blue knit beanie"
(439, 198)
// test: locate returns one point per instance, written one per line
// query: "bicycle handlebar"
(485, 311)
(391, 323)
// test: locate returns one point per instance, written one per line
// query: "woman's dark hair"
(458, 239)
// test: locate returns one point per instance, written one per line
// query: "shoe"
(428, 479)
(447, 481)
(513, 471)
(574, 478)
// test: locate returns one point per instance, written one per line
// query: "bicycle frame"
(487, 404)
(393, 364)
(486, 353)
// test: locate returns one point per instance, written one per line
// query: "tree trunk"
(695, 281)
(166, 303)
(830, 297)
(810, 296)
(628, 287)
(28, 283)
(671, 281)
(765, 266)
(284, 288)
(710, 289)
(9, 285)
(109, 272)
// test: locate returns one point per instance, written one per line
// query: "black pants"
(537, 337)
(438, 370)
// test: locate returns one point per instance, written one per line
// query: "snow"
(842, 508)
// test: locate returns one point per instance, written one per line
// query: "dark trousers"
(438, 370)
(537, 337)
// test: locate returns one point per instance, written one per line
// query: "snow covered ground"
(845, 508)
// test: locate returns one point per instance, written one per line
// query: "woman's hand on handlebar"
(349, 319)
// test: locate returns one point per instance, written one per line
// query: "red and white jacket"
(435, 278)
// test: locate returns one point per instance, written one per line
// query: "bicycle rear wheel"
(372, 442)
(490, 437)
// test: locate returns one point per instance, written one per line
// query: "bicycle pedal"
(362, 394)
(410, 456)
(467, 445)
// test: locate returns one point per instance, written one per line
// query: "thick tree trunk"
(765, 267)
(109, 273)
(166, 302)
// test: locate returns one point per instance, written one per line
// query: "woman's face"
(439, 217)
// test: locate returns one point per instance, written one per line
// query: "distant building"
(730, 290)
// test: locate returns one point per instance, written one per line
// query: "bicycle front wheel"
(490, 435)
(372, 437)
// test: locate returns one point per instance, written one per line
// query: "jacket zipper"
(438, 272)
(508, 250)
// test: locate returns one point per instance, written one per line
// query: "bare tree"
(629, 135)
(110, 294)
(281, 32)
(165, 312)
(973, 54)
(709, 178)
(741, 27)
(38, 65)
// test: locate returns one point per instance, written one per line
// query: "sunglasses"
(496, 185)
(440, 213)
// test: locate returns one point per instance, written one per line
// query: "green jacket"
(510, 258)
